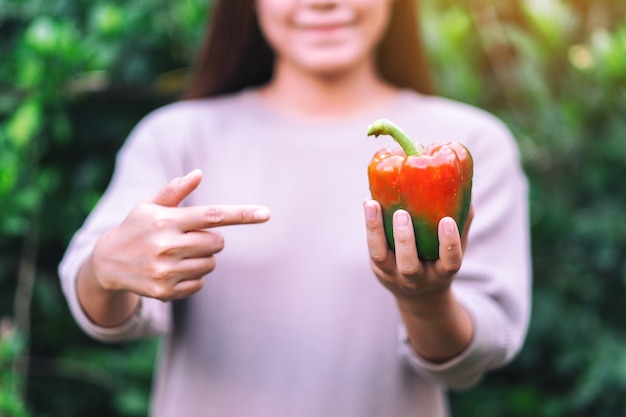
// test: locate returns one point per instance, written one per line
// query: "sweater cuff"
(151, 316)
(467, 368)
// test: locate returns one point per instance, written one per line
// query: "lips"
(324, 21)
(323, 26)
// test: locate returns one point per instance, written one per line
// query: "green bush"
(558, 78)
(75, 77)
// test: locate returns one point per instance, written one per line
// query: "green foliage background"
(76, 75)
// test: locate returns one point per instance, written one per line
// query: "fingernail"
(261, 214)
(448, 226)
(370, 211)
(402, 218)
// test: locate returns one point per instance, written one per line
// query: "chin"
(330, 64)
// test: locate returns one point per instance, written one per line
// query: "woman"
(290, 318)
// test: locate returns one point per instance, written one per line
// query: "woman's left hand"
(403, 273)
(438, 326)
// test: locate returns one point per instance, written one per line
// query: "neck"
(328, 96)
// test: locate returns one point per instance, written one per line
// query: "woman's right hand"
(163, 251)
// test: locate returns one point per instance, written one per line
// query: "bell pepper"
(430, 183)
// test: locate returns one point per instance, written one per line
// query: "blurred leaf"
(132, 402)
(25, 123)
(107, 19)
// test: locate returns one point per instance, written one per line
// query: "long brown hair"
(235, 55)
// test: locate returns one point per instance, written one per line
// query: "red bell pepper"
(430, 183)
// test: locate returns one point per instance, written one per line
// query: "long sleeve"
(494, 281)
(146, 162)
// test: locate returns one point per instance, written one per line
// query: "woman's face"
(325, 37)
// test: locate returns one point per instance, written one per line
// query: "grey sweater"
(292, 322)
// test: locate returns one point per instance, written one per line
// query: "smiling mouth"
(324, 25)
(325, 28)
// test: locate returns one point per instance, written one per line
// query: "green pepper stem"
(387, 127)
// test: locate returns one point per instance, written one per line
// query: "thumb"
(175, 192)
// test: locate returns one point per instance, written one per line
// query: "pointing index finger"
(204, 217)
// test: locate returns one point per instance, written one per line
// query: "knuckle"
(199, 285)
(385, 268)
(160, 274)
(245, 216)
(402, 239)
(452, 267)
(213, 241)
(211, 263)
(208, 265)
(378, 257)
(453, 259)
(214, 215)
(204, 266)
(160, 220)
(161, 247)
(161, 292)
(409, 269)
(371, 229)
(190, 287)
(219, 241)
(404, 243)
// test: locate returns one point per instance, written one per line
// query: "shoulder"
(186, 113)
(434, 119)
(185, 124)
(457, 116)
